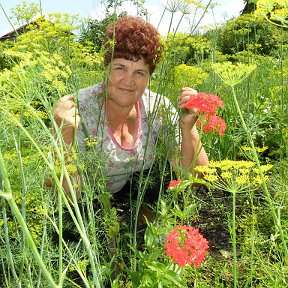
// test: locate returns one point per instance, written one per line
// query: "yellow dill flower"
(246, 148)
(205, 169)
(9, 156)
(244, 171)
(72, 155)
(223, 165)
(59, 86)
(263, 168)
(211, 177)
(76, 185)
(233, 175)
(242, 179)
(71, 169)
(226, 175)
(90, 142)
(36, 103)
(42, 114)
(257, 180)
(47, 75)
(275, 10)
(233, 74)
(28, 114)
(244, 164)
(247, 151)
(21, 55)
(261, 149)
(188, 76)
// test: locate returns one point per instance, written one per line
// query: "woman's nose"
(128, 79)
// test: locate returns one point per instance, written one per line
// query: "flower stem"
(277, 222)
(7, 195)
(234, 240)
(78, 220)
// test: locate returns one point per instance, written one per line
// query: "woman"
(123, 113)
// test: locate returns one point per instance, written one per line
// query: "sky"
(224, 10)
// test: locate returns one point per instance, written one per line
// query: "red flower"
(174, 183)
(213, 122)
(186, 246)
(205, 103)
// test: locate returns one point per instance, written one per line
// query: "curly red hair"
(131, 38)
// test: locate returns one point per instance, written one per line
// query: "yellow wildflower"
(263, 168)
(244, 171)
(42, 114)
(91, 141)
(205, 169)
(258, 180)
(233, 175)
(211, 177)
(242, 179)
(71, 169)
(226, 175)
(233, 74)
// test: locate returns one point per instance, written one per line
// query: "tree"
(114, 4)
(250, 7)
(251, 33)
(94, 30)
(24, 12)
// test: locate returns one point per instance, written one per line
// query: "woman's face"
(127, 81)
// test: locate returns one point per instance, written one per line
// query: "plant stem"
(234, 239)
(77, 220)
(7, 195)
(277, 222)
(60, 249)
(8, 19)
(7, 242)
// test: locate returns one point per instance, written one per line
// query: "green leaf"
(149, 235)
(134, 278)
(156, 266)
(175, 278)
(166, 274)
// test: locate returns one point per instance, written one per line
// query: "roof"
(12, 35)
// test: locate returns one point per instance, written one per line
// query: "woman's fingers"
(66, 112)
(65, 103)
(189, 89)
(186, 93)
(182, 101)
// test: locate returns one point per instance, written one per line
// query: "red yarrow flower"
(174, 183)
(186, 246)
(213, 122)
(205, 103)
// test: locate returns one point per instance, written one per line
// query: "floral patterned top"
(122, 162)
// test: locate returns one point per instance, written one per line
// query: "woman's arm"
(67, 119)
(192, 152)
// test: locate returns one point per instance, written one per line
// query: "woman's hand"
(192, 151)
(67, 117)
(189, 116)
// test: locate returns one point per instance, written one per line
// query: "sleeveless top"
(120, 163)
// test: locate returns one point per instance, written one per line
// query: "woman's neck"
(123, 124)
(120, 114)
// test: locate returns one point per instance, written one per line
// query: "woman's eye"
(140, 73)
